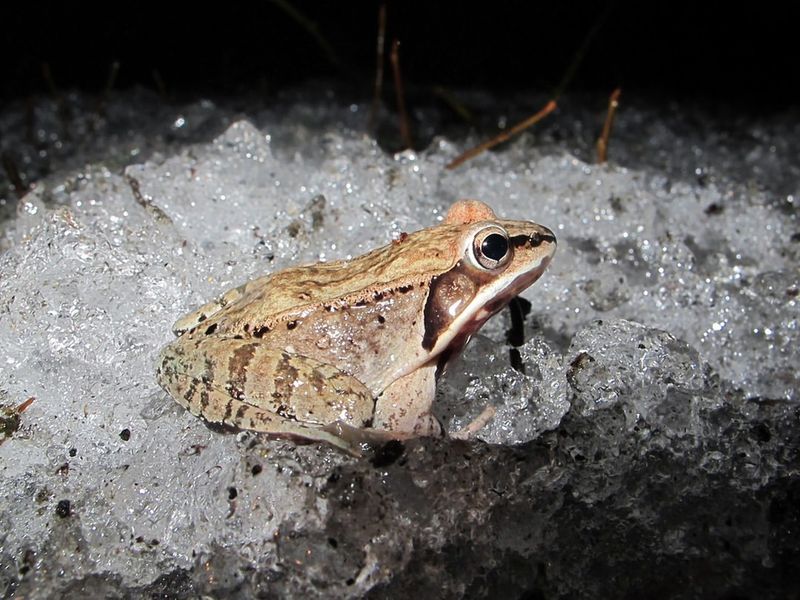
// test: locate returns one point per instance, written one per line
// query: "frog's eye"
(490, 247)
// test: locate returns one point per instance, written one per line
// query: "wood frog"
(349, 351)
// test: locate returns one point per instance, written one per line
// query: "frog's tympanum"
(349, 351)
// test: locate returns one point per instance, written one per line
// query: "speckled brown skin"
(349, 345)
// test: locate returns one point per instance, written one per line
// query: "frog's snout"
(541, 236)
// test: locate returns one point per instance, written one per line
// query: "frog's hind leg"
(242, 415)
(245, 384)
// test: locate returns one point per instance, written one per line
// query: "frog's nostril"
(537, 238)
(545, 235)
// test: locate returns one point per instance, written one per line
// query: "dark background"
(715, 52)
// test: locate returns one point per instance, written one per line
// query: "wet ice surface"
(651, 417)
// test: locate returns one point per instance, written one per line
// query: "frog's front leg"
(405, 406)
(245, 384)
(402, 411)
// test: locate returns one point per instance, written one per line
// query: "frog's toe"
(468, 432)
(330, 437)
(357, 435)
(428, 426)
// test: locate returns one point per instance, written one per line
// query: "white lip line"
(491, 291)
(494, 290)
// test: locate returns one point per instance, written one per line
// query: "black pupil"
(495, 246)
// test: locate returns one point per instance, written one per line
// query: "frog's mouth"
(505, 295)
(501, 297)
(492, 297)
(448, 347)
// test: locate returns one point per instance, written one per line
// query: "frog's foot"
(264, 421)
(468, 432)
(361, 435)
(237, 415)
(246, 416)
(427, 426)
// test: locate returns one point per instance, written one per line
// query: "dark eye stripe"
(534, 240)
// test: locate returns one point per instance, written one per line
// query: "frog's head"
(496, 260)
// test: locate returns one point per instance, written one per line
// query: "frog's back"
(259, 305)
